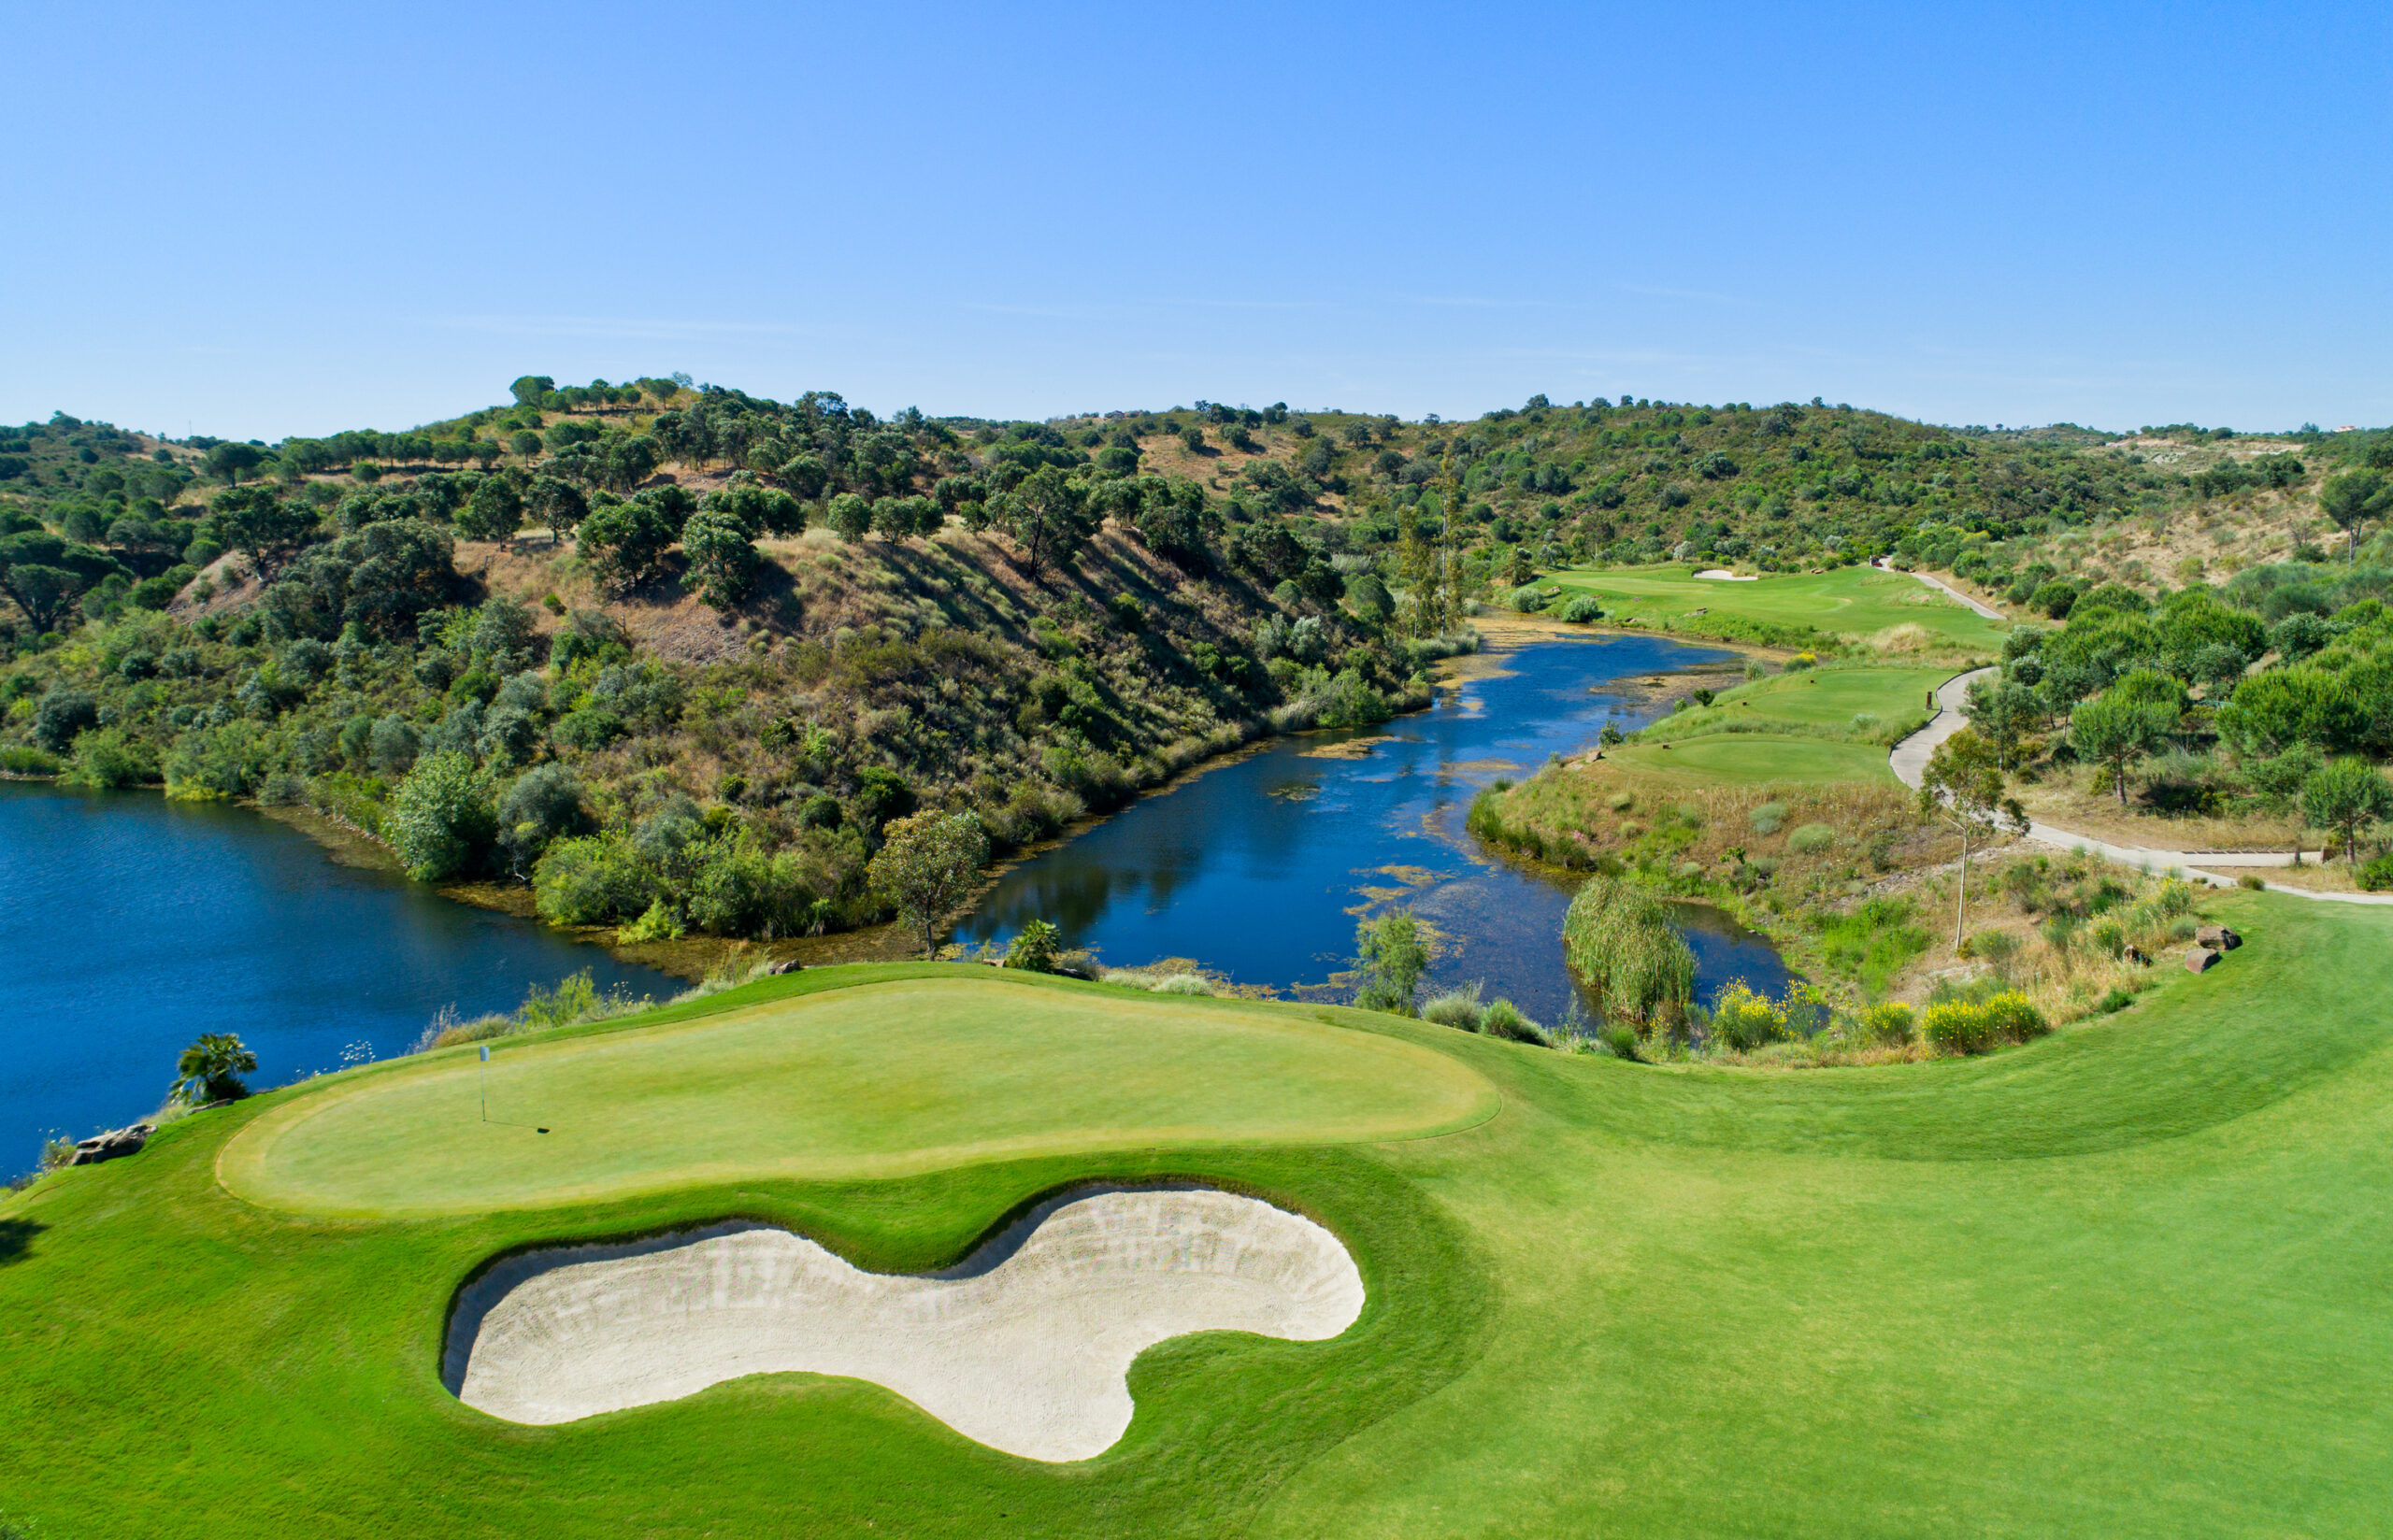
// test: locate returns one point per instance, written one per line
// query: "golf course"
(2127, 1279)
(1854, 601)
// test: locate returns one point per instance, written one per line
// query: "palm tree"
(211, 1069)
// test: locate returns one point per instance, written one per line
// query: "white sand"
(1722, 575)
(1025, 1347)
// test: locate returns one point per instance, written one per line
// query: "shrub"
(1768, 818)
(1502, 1018)
(1812, 838)
(1957, 1027)
(1619, 1039)
(656, 925)
(441, 822)
(1185, 983)
(1889, 1024)
(1580, 609)
(1034, 947)
(1621, 802)
(106, 759)
(1743, 1020)
(1528, 599)
(2117, 1000)
(2013, 1019)
(1459, 1008)
(17, 761)
(2254, 881)
(60, 714)
(2375, 876)
(1619, 940)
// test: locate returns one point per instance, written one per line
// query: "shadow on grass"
(17, 1238)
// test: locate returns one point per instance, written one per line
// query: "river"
(1258, 869)
(132, 924)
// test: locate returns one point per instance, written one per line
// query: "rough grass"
(2132, 1280)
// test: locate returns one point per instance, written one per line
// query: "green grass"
(1816, 724)
(1847, 602)
(2136, 1279)
(873, 1079)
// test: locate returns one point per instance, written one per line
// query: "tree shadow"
(17, 1238)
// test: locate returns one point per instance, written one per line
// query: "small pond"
(1261, 867)
(130, 924)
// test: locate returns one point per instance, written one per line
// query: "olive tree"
(924, 867)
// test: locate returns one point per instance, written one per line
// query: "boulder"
(2218, 938)
(2201, 960)
(114, 1143)
(792, 966)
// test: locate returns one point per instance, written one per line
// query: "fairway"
(1813, 725)
(1857, 601)
(873, 1081)
(2134, 1278)
(1742, 759)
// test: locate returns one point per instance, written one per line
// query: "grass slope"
(2135, 1279)
(1823, 724)
(1847, 602)
(873, 1079)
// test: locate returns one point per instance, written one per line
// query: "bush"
(2376, 874)
(657, 924)
(106, 759)
(27, 762)
(1620, 1039)
(60, 714)
(1034, 947)
(2013, 1018)
(1185, 983)
(1768, 819)
(1743, 1020)
(1504, 1020)
(1812, 838)
(441, 822)
(2117, 1000)
(1527, 598)
(1458, 1008)
(1618, 939)
(1890, 1024)
(1580, 609)
(1957, 1027)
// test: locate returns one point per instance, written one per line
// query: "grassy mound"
(2133, 1278)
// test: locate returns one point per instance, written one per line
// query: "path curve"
(1908, 760)
(1985, 609)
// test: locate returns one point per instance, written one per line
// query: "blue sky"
(254, 221)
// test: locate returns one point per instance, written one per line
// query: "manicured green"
(1812, 724)
(2136, 1279)
(1845, 601)
(878, 1080)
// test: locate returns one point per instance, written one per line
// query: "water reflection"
(130, 924)
(1260, 869)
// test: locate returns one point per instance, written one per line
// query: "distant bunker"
(1025, 1347)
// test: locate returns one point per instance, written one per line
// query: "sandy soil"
(1023, 1347)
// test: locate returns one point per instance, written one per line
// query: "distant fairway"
(875, 1080)
(1810, 725)
(1847, 602)
(2133, 1280)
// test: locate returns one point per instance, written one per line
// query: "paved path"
(1909, 761)
(1985, 609)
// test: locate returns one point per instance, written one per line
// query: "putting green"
(875, 1080)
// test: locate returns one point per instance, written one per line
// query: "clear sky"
(254, 221)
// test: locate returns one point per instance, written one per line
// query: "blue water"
(1260, 869)
(130, 924)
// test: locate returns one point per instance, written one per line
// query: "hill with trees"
(675, 655)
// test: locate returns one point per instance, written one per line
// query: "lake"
(132, 924)
(1260, 869)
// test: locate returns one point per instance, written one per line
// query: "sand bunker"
(1722, 575)
(1023, 1347)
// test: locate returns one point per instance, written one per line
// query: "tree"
(1963, 784)
(211, 1068)
(924, 868)
(440, 822)
(558, 504)
(532, 390)
(229, 461)
(43, 592)
(1047, 516)
(2349, 797)
(541, 807)
(723, 559)
(495, 511)
(2115, 733)
(2003, 715)
(1390, 959)
(2353, 498)
(254, 520)
(627, 540)
(852, 516)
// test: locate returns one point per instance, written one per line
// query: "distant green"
(1854, 601)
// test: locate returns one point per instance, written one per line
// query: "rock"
(2218, 938)
(2201, 960)
(792, 966)
(114, 1143)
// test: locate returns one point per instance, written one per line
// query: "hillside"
(675, 655)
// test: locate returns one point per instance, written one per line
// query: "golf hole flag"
(485, 1053)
